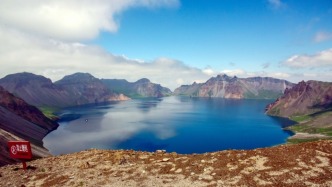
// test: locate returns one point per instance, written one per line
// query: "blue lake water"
(180, 124)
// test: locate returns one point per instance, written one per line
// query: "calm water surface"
(180, 124)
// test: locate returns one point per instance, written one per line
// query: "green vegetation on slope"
(310, 129)
(262, 94)
(296, 141)
(317, 123)
(301, 119)
(49, 112)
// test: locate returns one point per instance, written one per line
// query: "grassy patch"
(49, 112)
(309, 129)
(300, 119)
(296, 141)
(262, 94)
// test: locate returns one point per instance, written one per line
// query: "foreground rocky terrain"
(306, 164)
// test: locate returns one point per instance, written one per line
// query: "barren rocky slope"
(19, 120)
(72, 90)
(306, 164)
(303, 99)
(310, 104)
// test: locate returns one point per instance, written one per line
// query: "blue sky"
(222, 33)
(171, 42)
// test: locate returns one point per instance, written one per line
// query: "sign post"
(20, 150)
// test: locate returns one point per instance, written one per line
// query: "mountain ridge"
(224, 86)
(304, 98)
(310, 105)
(141, 88)
(72, 90)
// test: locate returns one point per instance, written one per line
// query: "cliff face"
(19, 120)
(76, 89)
(224, 86)
(304, 98)
(141, 88)
(30, 113)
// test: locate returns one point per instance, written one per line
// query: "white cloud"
(208, 71)
(55, 59)
(279, 75)
(235, 72)
(71, 20)
(320, 59)
(244, 74)
(276, 4)
(322, 36)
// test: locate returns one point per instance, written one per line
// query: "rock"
(178, 170)
(143, 157)
(161, 151)
(165, 159)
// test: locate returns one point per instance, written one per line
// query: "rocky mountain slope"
(307, 164)
(304, 98)
(35, 89)
(141, 88)
(19, 120)
(76, 89)
(224, 86)
(309, 104)
(85, 89)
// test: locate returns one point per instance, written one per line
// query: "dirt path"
(307, 164)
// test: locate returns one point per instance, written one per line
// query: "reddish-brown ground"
(306, 164)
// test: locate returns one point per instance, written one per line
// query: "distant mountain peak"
(75, 89)
(224, 86)
(78, 77)
(141, 88)
(143, 80)
(223, 77)
(25, 76)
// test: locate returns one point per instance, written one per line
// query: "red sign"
(20, 149)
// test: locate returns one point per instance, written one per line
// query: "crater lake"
(176, 124)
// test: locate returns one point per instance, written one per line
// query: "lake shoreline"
(198, 126)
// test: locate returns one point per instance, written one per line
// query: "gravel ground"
(306, 164)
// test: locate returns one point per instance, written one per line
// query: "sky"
(170, 42)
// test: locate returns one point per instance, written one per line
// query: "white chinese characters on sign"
(19, 148)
